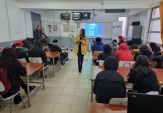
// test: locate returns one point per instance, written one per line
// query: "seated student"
(8, 60)
(120, 38)
(159, 60)
(26, 44)
(109, 83)
(55, 47)
(155, 48)
(37, 51)
(144, 50)
(114, 45)
(143, 76)
(107, 52)
(98, 45)
(19, 52)
(123, 54)
(23, 48)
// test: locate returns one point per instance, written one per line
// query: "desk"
(64, 49)
(124, 71)
(32, 68)
(106, 108)
(53, 55)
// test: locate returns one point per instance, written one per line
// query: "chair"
(126, 63)
(2, 88)
(153, 64)
(101, 62)
(38, 60)
(119, 101)
(22, 60)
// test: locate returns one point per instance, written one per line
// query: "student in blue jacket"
(98, 45)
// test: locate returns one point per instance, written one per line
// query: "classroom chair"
(2, 88)
(38, 60)
(119, 101)
(22, 60)
(126, 63)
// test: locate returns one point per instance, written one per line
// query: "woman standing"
(81, 48)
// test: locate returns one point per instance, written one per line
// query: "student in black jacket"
(9, 61)
(144, 50)
(37, 51)
(21, 54)
(107, 52)
(109, 83)
(143, 76)
(55, 47)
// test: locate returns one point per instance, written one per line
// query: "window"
(124, 20)
(36, 20)
(154, 34)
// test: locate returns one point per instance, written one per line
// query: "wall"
(142, 17)
(11, 22)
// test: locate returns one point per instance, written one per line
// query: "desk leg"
(28, 93)
(43, 77)
(53, 67)
(91, 91)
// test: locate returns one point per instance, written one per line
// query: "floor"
(67, 92)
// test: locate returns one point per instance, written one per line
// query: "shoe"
(30, 89)
(17, 99)
(79, 71)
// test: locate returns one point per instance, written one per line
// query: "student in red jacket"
(123, 54)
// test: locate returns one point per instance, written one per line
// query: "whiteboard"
(117, 30)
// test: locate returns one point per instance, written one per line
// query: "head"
(120, 38)
(19, 44)
(98, 39)
(39, 27)
(155, 48)
(123, 46)
(114, 42)
(82, 32)
(43, 36)
(111, 63)
(38, 44)
(142, 60)
(107, 48)
(55, 42)
(143, 47)
(8, 57)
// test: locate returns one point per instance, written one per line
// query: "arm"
(20, 69)
(35, 35)
(85, 41)
(95, 84)
(76, 40)
(26, 57)
(44, 58)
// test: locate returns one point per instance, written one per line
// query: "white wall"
(13, 23)
(53, 17)
(142, 17)
(4, 29)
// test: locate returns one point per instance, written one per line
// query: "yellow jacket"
(83, 45)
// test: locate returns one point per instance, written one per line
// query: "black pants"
(80, 61)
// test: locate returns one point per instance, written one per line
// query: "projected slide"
(93, 30)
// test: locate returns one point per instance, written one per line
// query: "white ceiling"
(77, 0)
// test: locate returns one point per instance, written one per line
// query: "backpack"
(5, 81)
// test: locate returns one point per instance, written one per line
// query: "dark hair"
(134, 47)
(115, 41)
(8, 57)
(98, 39)
(55, 41)
(83, 32)
(154, 47)
(38, 26)
(142, 60)
(144, 47)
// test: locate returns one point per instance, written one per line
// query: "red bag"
(5, 81)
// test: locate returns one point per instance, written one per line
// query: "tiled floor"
(67, 92)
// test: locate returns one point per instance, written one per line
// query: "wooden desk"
(124, 71)
(32, 68)
(106, 108)
(53, 55)
(64, 49)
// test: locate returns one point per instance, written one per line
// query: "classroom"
(81, 56)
